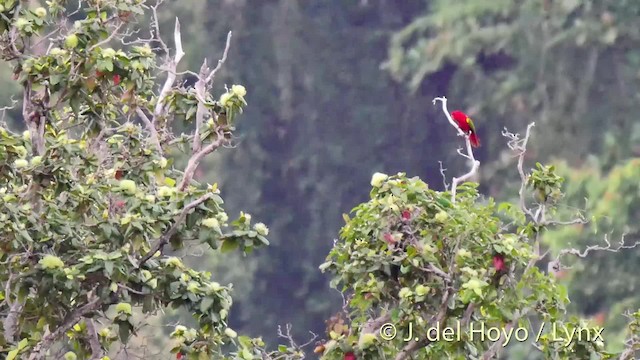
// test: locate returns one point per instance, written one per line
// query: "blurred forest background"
(340, 89)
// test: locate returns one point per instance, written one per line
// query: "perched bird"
(466, 125)
(500, 266)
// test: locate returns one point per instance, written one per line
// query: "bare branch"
(444, 177)
(205, 77)
(469, 155)
(583, 254)
(164, 239)
(520, 147)
(113, 34)
(152, 129)
(292, 342)
(434, 270)
(155, 32)
(171, 65)
(222, 60)
(194, 161)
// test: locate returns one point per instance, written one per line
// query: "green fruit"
(36, 160)
(21, 22)
(41, 12)
(21, 163)
(71, 41)
(211, 223)
(441, 216)
(123, 308)
(108, 53)
(422, 290)
(51, 262)
(128, 186)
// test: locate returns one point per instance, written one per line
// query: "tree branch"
(520, 147)
(583, 254)
(469, 155)
(94, 341)
(164, 239)
(152, 129)
(221, 61)
(172, 65)
(204, 82)
(40, 349)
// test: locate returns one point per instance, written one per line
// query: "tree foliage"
(91, 199)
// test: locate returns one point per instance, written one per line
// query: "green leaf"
(12, 354)
(108, 267)
(228, 245)
(124, 331)
(263, 239)
(206, 304)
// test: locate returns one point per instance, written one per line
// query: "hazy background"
(340, 89)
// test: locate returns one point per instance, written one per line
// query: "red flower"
(119, 174)
(406, 215)
(498, 262)
(99, 73)
(120, 204)
(349, 356)
(179, 356)
(389, 239)
(116, 79)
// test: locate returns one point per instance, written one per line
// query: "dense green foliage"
(89, 200)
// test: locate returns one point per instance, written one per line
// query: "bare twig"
(113, 34)
(444, 177)
(430, 268)
(194, 161)
(222, 60)
(155, 30)
(205, 77)
(171, 66)
(520, 147)
(469, 155)
(292, 342)
(583, 254)
(152, 129)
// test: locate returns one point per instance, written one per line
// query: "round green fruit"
(71, 41)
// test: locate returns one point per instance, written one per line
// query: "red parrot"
(466, 125)
(498, 262)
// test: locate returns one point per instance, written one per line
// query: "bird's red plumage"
(462, 120)
(498, 262)
(349, 356)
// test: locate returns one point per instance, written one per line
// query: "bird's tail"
(475, 141)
